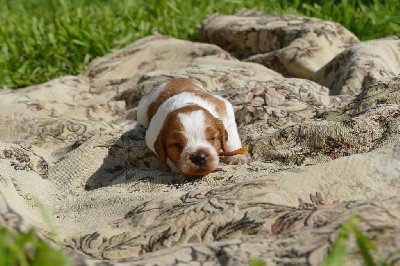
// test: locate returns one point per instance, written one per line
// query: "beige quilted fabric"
(323, 150)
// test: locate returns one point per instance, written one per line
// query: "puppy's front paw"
(238, 159)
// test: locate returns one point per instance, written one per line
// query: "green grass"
(338, 252)
(44, 39)
(25, 248)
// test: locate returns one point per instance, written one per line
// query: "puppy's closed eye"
(178, 145)
(213, 138)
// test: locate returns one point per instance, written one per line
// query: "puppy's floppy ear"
(223, 135)
(160, 148)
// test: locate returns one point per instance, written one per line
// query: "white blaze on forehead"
(193, 124)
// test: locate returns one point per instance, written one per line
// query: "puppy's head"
(191, 139)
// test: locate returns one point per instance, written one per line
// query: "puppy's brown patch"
(216, 133)
(177, 86)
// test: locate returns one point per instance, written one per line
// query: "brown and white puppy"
(188, 127)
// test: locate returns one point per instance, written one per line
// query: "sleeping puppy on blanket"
(188, 128)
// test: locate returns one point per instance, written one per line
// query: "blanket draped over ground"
(319, 109)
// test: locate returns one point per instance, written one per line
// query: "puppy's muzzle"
(199, 160)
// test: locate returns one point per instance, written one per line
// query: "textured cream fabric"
(73, 144)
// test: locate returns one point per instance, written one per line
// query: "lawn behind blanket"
(44, 39)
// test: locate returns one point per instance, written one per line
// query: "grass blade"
(338, 252)
(365, 245)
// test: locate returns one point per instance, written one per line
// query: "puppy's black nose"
(199, 160)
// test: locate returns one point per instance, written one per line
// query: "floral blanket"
(319, 109)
